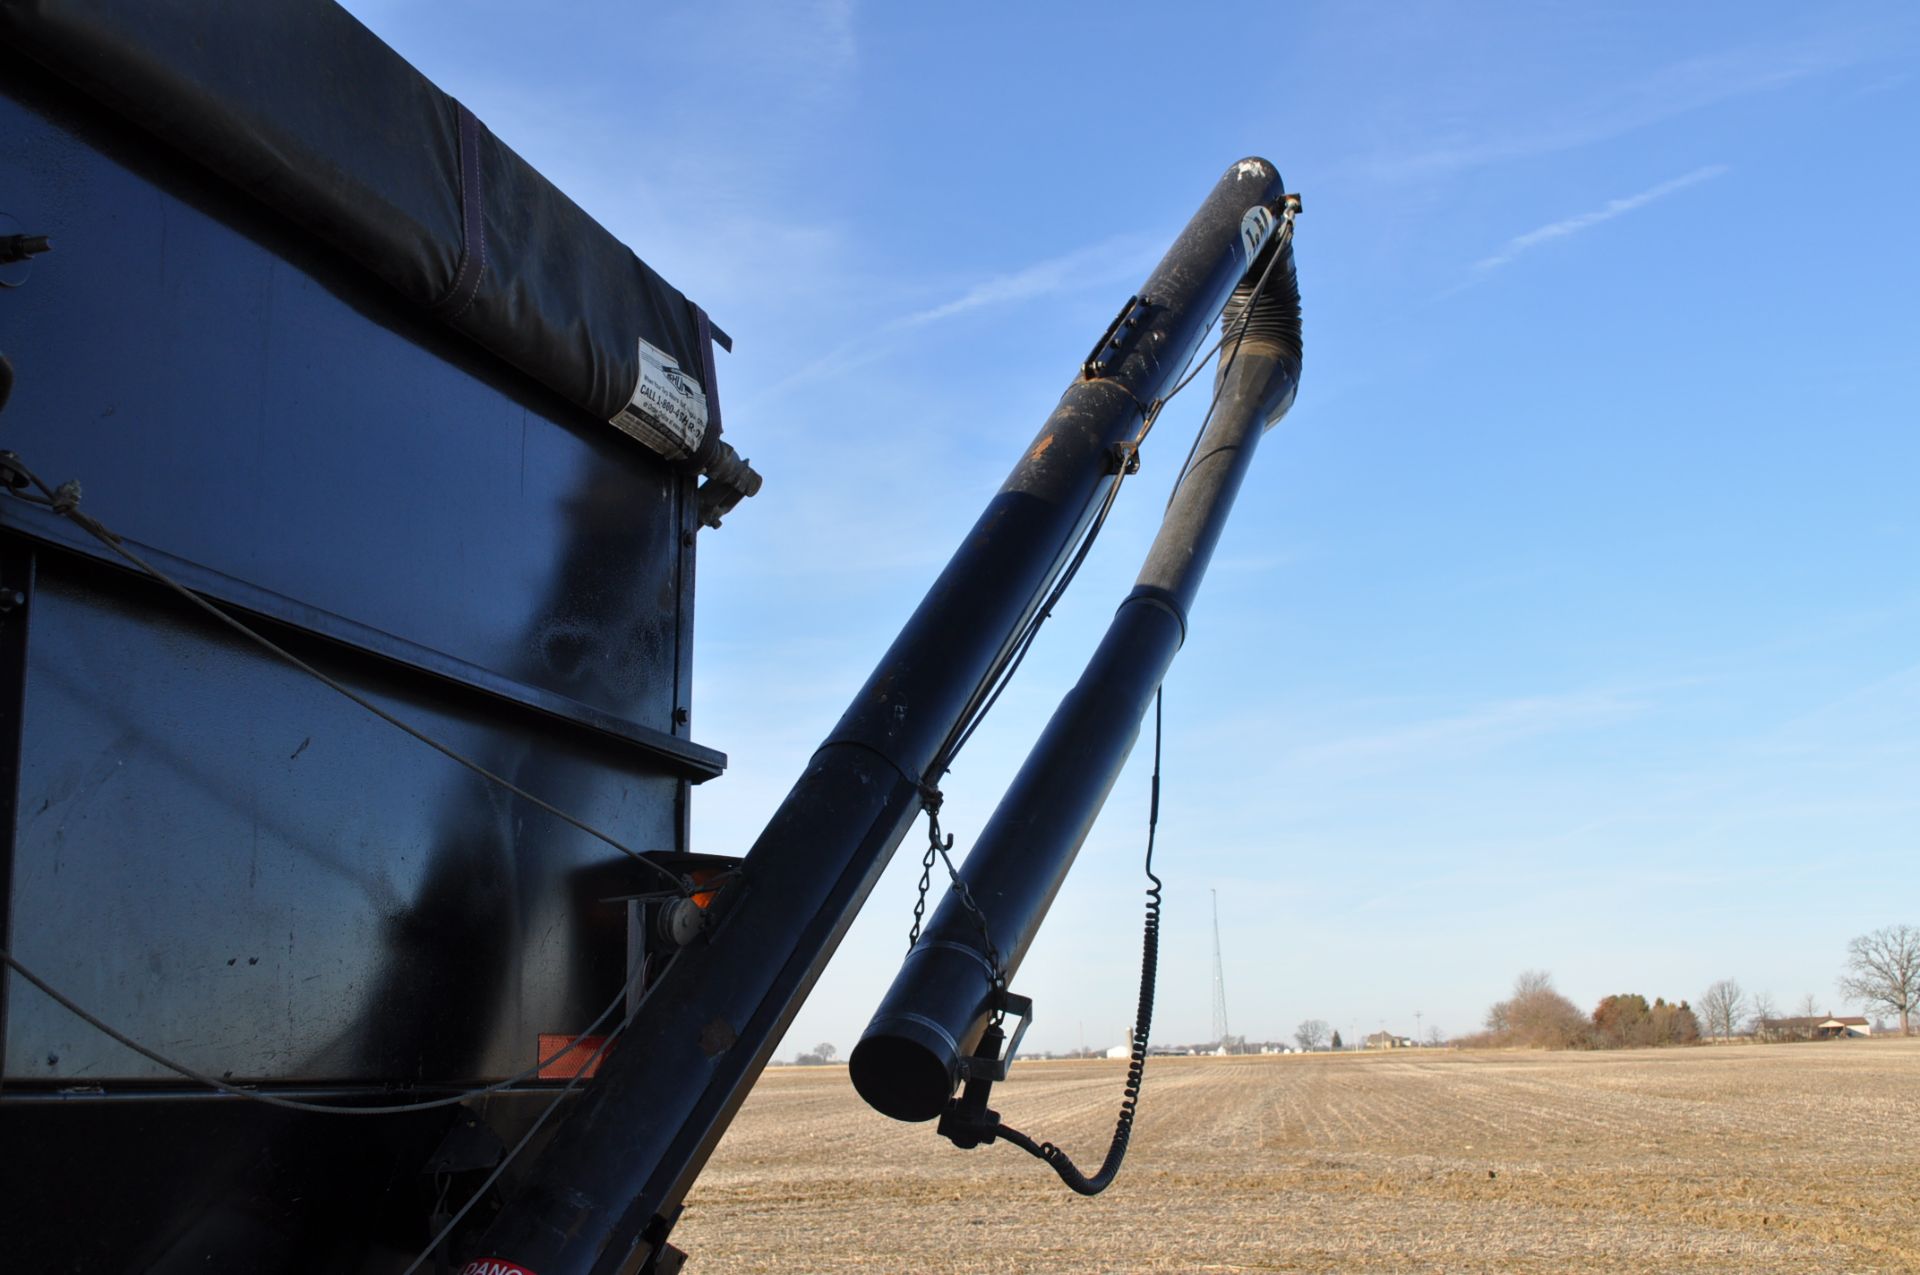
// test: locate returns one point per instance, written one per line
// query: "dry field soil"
(1736, 1158)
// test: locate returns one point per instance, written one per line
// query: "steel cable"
(65, 501)
(294, 1104)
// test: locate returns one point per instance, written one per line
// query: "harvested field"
(1742, 1158)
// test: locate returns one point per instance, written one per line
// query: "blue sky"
(1568, 622)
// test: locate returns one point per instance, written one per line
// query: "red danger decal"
(493, 1266)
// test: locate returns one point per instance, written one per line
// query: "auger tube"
(909, 1060)
(605, 1190)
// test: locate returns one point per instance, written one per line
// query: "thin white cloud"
(810, 49)
(1873, 719)
(1094, 263)
(1483, 728)
(1586, 221)
(1112, 259)
(1675, 90)
(834, 19)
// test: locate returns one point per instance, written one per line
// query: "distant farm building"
(1387, 1040)
(1813, 1027)
(1839, 1028)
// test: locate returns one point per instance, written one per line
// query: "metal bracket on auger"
(1113, 342)
(967, 1121)
(986, 1062)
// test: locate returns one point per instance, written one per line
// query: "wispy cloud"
(1110, 260)
(1097, 262)
(1677, 89)
(1587, 220)
(811, 46)
(1482, 728)
(1872, 718)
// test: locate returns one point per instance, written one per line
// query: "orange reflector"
(701, 877)
(578, 1061)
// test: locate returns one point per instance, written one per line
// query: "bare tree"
(1883, 971)
(1809, 1006)
(1764, 1013)
(1311, 1034)
(1722, 1008)
(1532, 983)
(1537, 1017)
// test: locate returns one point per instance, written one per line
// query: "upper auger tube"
(921, 1041)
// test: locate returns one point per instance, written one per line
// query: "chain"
(939, 847)
(920, 900)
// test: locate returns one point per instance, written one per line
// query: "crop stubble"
(1748, 1158)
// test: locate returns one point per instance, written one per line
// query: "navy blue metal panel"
(234, 394)
(238, 867)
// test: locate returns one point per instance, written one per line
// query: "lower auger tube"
(927, 1035)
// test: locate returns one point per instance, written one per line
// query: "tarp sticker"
(667, 409)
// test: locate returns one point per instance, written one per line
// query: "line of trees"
(1315, 1034)
(1628, 1022)
(1734, 1011)
(1882, 973)
(1537, 1016)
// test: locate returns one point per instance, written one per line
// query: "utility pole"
(1219, 979)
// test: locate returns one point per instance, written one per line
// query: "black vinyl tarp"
(299, 104)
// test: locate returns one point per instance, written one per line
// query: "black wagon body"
(259, 345)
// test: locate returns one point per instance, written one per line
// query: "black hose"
(1272, 317)
(1136, 1070)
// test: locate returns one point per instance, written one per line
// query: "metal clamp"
(1113, 342)
(987, 1066)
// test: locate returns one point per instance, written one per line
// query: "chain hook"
(939, 847)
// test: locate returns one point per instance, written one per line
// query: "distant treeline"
(1538, 1017)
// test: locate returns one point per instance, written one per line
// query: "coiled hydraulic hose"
(1142, 1027)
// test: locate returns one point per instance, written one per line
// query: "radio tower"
(1219, 979)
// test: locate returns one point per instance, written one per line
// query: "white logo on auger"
(1254, 229)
